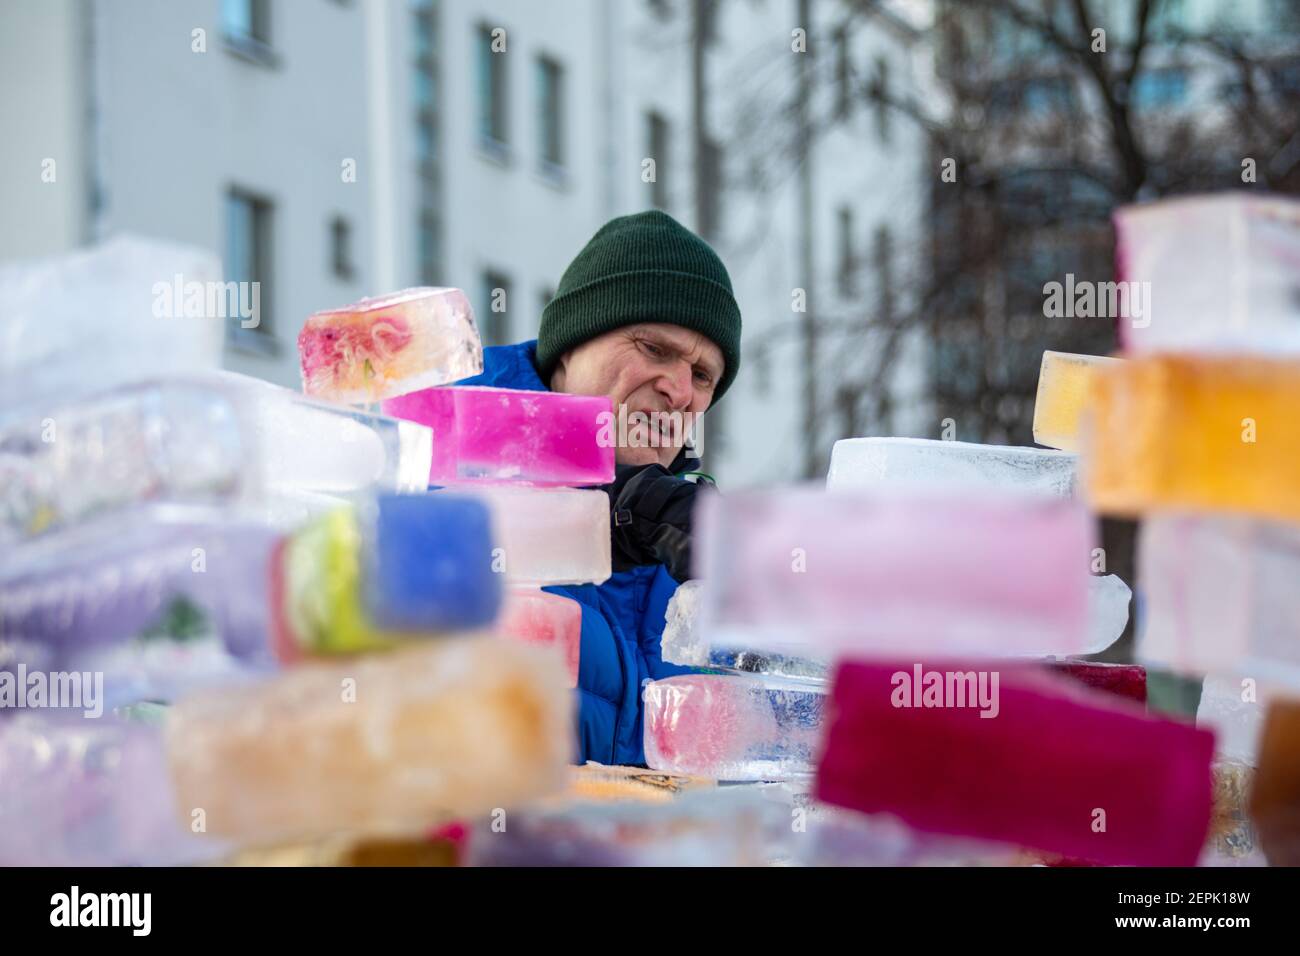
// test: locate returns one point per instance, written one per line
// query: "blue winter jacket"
(622, 619)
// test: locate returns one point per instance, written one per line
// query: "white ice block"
(549, 536)
(1222, 272)
(101, 316)
(203, 439)
(925, 462)
(1108, 600)
(1234, 707)
(1220, 596)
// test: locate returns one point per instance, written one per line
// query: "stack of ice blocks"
(1196, 434)
(156, 539)
(521, 452)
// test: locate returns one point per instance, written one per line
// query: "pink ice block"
(510, 435)
(882, 573)
(532, 616)
(1056, 769)
(378, 348)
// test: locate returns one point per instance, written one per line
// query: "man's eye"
(652, 349)
(703, 377)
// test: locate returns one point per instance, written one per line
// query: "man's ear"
(557, 377)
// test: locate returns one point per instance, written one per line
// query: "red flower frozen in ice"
(338, 349)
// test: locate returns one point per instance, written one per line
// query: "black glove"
(650, 518)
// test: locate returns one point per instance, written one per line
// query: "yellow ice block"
(1064, 383)
(1196, 433)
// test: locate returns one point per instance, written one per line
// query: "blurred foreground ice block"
(1037, 775)
(1064, 383)
(533, 616)
(512, 435)
(217, 438)
(868, 463)
(732, 727)
(1233, 707)
(1220, 595)
(377, 348)
(686, 640)
(77, 791)
(398, 568)
(549, 536)
(1221, 271)
(1127, 681)
(720, 826)
(1275, 799)
(390, 743)
(1196, 432)
(95, 318)
(896, 575)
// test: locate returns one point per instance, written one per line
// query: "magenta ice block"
(1054, 770)
(882, 574)
(532, 616)
(510, 435)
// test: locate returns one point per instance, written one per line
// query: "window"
(492, 105)
(426, 143)
(246, 28)
(709, 201)
(341, 248)
(248, 259)
(880, 90)
(550, 111)
(430, 248)
(882, 254)
(657, 146)
(494, 322)
(843, 79)
(847, 268)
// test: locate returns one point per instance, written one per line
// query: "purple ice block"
(509, 435)
(885, 574)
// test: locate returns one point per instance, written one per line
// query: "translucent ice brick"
(1220, 596)
(919, 462)
(887, 575)
(1035, 775)
(549, 536)
(1064, 381)
(512, 435)
(217, 438)
(391, 743)
(532, 616)
(378, 348)
(1194, 432)
(732, 727)
(1221, 271)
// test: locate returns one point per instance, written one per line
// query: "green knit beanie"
(642, 268)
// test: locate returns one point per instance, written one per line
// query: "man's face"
(651, 368)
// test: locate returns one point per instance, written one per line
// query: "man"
(644, 315)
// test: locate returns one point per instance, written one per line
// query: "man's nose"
(676, 387)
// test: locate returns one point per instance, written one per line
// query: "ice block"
(389, 743)
(1275, 799)
(549, 536)
(870, 463)
(1194, 433)
(1221, 271)
(1232, 840)
(96, 317)
(1128, 681)
(1064, 383)
(494, 435)
(1233, 707)
(532, 616)
(732, 727)
(402, 568)
(891, 574)
(218, 438)
(1053, 771)
(594, 781)
(80, 791)
(720, 826)
(378, 348)
(1220, 596)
